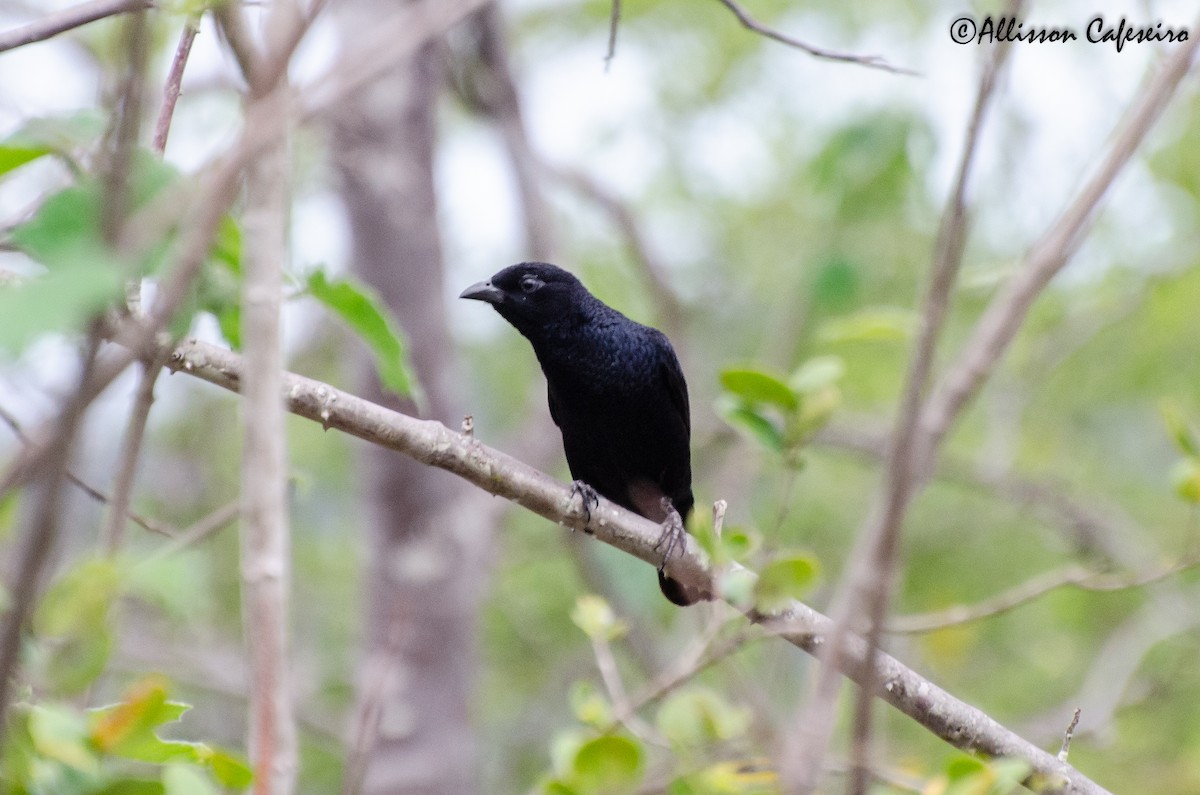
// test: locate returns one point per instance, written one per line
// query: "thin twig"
(1034, 588)
(680, 675)
(84, 486)
(1070, 732)
(174, 83)
(113, 529)
(750, 23)
(68, 19)
(614, 21)
(670, 308)
(195, 533)
(606, 663)
(434, 444)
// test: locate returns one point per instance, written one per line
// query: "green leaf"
(756, 386)
(1181, 430)
(49, 135)
(361, 309)
(13, 156)
(1185, 478)
(61, 301)
(696, 716)
(595, 617)
(785, 578)
(759, 427)
(80, 599)
(72, 621)
(608, 766)
(185, 780)
(117, 728)
(83, 273)
(873, 324)
(817, 373)
(230, 769)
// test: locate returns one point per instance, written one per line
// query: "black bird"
(616, 392)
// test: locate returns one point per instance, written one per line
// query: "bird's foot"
(588, 497)
(672, 542)
(674, 537)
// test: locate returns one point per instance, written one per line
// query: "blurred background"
(772, 212)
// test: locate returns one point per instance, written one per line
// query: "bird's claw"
(674, 537)
(588, 497)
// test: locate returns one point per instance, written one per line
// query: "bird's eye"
(530, 283)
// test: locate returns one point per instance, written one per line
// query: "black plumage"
(616, 392)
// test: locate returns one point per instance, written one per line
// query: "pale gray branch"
(497, 473)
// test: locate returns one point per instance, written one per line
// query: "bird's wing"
(672, 375)
(553, 401)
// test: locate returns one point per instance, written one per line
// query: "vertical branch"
(870, 581)
(123, 135)
(113, 530)
(174, 83)
(265, 538)
(265, 547)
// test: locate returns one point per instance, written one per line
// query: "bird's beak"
(483, 291)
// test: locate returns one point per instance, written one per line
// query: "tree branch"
(1005, 314)
(68, 19)
(174, 83)
(436, 445)
(750, 23)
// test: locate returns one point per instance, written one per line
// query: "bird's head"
(533, 296)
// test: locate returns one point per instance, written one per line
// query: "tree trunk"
(425, 571)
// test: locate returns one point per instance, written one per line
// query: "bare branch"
(750, 23)
(112, 531)
(174, 83)
(69, 19)
(197, 532)
(665, 299)
(1006, 312)
(84, 486)
(614, 21)
(1066, 746)
(497, 473)
(1026, 592)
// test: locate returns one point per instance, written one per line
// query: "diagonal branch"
(68, 19)
(1005, 314)
(750, 23)
(434, 444)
